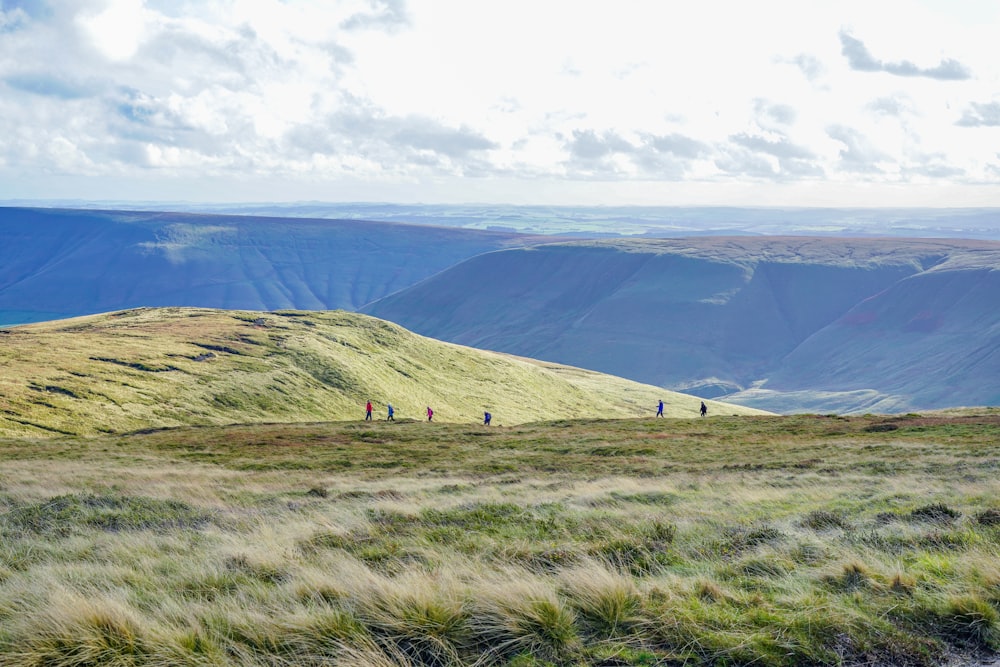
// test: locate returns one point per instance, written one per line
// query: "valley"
(787, 324)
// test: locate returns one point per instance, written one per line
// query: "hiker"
(368, 411)
(390, 418)
(659, 409)
(486, 418)
(430, 414)
(704, 409)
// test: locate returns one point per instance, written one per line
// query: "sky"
(571, 102)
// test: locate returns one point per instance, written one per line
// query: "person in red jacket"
(430, 414)
(368, 411)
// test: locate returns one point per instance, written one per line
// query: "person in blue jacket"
(390, 418)
(659, 409)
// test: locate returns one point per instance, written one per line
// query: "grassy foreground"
(719, 541)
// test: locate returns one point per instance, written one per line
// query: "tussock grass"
(730, 540)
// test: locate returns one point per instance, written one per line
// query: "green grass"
(168, 367)
(722, 541)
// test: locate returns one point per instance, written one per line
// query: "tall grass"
(765, 541)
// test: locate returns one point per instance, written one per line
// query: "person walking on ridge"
(430, 414)
(704, 409)
(390, 418)
(659, 409)
(368, 411)
(486, 418)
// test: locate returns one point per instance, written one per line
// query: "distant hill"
(61, 263)
(151, 368)
(786, 323)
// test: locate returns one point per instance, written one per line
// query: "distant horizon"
(51, 202)
(594, 221)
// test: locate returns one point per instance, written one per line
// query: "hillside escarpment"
(793, 323)
(63, 263)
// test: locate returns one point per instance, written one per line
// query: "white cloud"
(116, 30)
(514, 101)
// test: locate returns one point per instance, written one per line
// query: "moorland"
(191, 486)
(728, 540)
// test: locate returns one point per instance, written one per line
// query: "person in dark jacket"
(704, 409)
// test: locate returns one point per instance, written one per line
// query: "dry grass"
(755, 540)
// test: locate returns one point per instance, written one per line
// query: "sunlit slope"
(63, 263)
(831, 324)
(149, 368)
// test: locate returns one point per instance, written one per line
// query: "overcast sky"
(839, 103)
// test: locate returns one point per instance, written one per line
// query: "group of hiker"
(487, 417)
(390, 416)
(659, 409)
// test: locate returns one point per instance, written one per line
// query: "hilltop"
(783, 323)
(163, 367)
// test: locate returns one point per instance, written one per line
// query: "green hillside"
(151, 368)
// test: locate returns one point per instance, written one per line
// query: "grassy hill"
(754, 540)
(151, 368)
(805, 324)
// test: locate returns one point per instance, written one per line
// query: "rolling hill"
(162, 367)
(785, 323)
(788, 324)
(62, 263)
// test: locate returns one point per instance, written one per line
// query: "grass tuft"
(79, 632)
(971, 621)
(989, 517)
(853, 576)
(268, 573)
(608, 603)
(825, 520)
(527, 619)
(937, 512)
